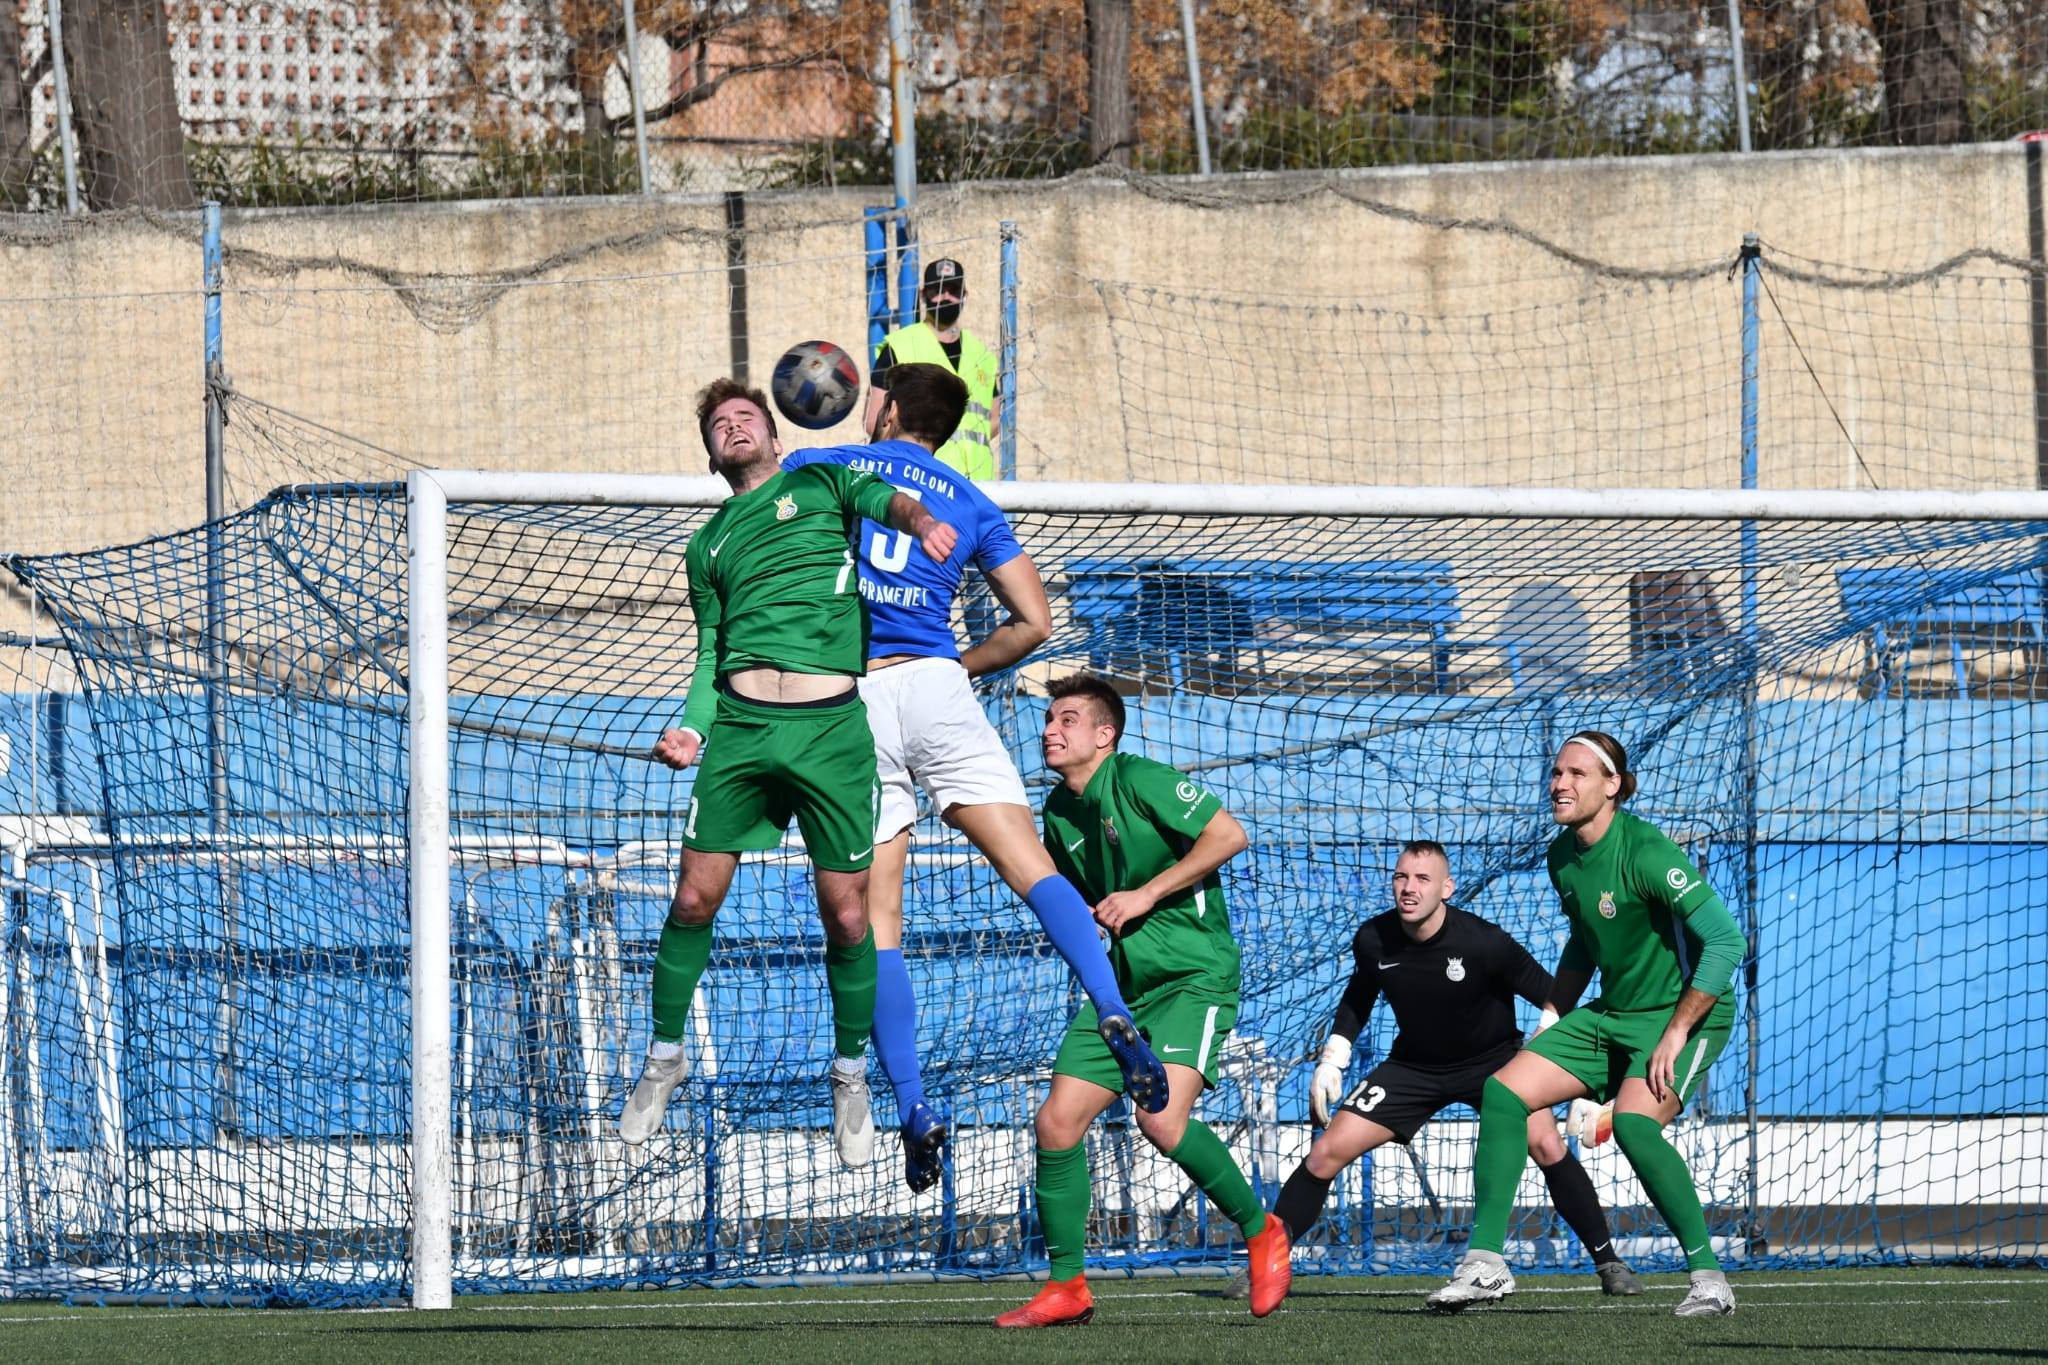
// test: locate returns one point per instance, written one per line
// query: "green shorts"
(763, 764)
(1185, 1028)
(1604, 1047)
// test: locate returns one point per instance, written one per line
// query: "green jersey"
(773, 582)
(1136, 819)
(1642, 914)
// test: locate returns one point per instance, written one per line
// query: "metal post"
(906, 272)
(65, 136)
(2037, 306)
(1006, 379)
(427, 838)
(1741, 74)
(902, 108)
(875, 234)
(1751, 262)
(215, 381)
(633, 94)
(1201, 113)
(736, 279)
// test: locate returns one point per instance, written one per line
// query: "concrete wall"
(1297, 328)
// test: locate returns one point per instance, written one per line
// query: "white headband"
(1587, 741)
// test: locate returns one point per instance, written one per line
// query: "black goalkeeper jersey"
(1453, 994)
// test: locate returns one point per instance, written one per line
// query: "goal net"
(219, 1075)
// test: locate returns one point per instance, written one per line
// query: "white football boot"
(1708, 1297)
(1482, 1277)
(648, 1104)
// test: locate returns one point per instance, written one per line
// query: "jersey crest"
(1455, 969)
(1606, 905)
(785, 507)
(1109, 833)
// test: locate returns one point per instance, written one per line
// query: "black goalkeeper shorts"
(1401, 1098)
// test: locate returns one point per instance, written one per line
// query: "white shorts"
(930, 731)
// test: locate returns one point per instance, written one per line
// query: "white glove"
(1326, 1087)
(1592, 1124)
(1545, 1020)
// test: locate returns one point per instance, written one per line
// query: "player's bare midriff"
(781, 685)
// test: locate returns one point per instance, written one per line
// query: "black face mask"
(944, 312)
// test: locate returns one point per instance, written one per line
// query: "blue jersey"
(910, 597)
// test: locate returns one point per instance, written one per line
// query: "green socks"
(679, 962)
(1063, 1192)
(1669, 1184)
(1497, 1169)
(850, 975)
(685, 950)
(1209, 1164)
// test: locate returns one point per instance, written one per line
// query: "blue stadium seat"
(1906, 609)
(1216, 610)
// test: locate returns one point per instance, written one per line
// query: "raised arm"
(1018, 587)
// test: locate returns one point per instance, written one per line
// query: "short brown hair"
(930, 401)
(1616, 754)
(1109, 707)
(721, 391)
(1429, 846)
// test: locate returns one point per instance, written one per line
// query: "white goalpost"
(366, 1036)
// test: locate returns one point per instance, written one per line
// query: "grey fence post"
(1201, 113)
(55, 36)
(633, 94)
(1741, 74)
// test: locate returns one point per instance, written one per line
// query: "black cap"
(944, 270)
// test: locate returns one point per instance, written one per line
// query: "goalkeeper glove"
(1544, 1020)
(1592, 1124)
(1326, 1088)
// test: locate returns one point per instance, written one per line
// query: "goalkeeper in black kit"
(1451, 978)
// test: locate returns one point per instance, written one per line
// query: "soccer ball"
(815, 384)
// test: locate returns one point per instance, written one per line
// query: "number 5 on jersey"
(890, 551)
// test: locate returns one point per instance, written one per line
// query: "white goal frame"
(429, 493)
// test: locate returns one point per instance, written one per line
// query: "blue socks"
(896, 1031)
(1070, 925)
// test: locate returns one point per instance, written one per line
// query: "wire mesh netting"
(308, 103)
(210, 1092)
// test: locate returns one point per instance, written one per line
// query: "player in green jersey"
(1666, 949)
(1143, 843)
(773, 707)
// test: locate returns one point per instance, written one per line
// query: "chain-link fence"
(160, 103)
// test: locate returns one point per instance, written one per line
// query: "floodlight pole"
(427, 837)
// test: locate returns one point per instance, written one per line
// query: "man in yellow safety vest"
(939, 339)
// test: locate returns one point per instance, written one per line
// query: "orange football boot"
(1062, 1303)
(1272, 1266)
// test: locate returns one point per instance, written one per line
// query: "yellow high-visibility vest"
(969, 450)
